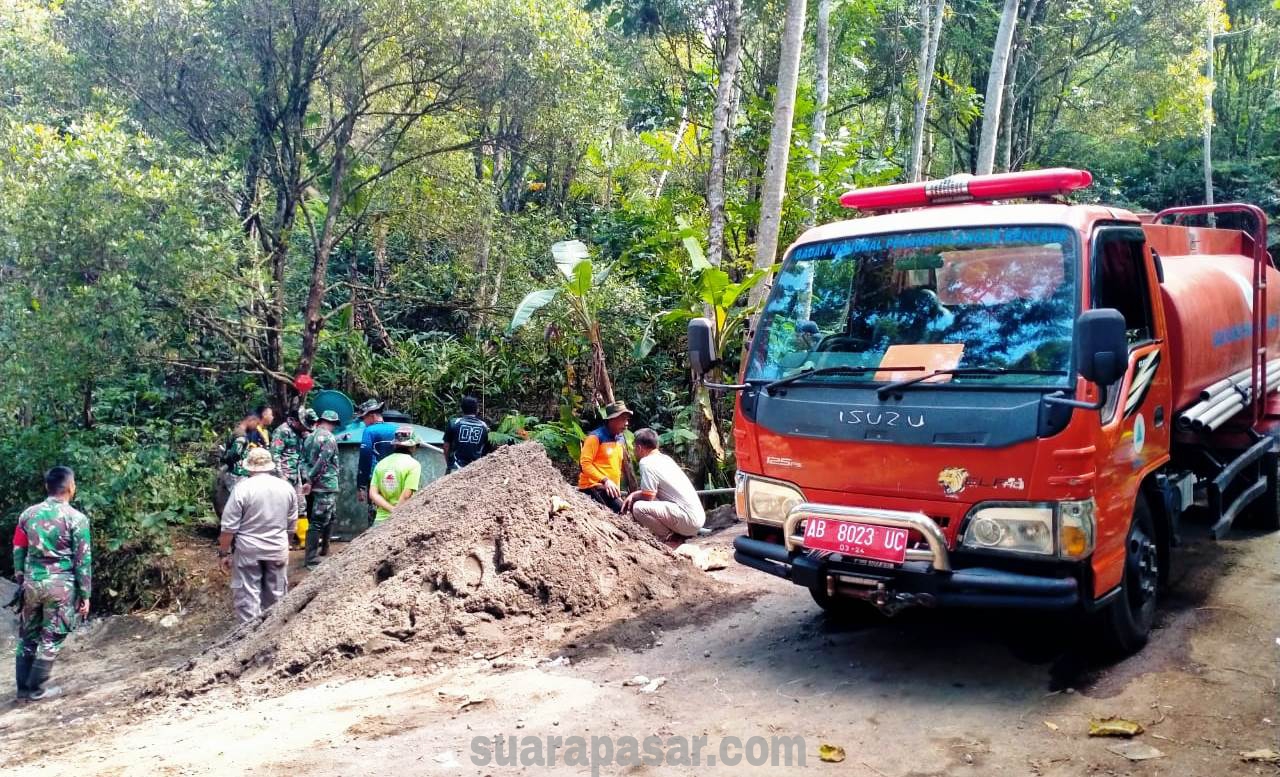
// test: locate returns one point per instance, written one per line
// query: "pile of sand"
(486, 556)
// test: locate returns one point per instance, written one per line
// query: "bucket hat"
(370, 406)
(615, 409)
(259, 460)
(331, 416)
(404, 438)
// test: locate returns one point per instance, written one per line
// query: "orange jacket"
(601, 458)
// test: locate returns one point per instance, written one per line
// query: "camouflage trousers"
(324, 506)
(48, 616)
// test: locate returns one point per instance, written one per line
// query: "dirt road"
(931, 694)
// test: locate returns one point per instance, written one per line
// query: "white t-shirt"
(660, 474)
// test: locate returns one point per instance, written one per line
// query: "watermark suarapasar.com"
(597, 752)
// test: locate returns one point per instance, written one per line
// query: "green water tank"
(353, 515)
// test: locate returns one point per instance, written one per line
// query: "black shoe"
(38, 679)
(22, 671)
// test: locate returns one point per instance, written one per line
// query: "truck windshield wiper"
(838, 370)
(889, 388)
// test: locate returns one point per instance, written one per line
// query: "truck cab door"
(1133, 438)
(1125, 277)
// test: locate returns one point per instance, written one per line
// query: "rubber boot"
(325, 537)
(21, 673)
(313, 547)
(38, 681)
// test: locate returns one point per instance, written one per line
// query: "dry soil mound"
(505, 542)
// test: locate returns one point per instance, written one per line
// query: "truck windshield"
(998, 298)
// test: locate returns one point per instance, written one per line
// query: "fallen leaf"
(1261, 756)
(1114, 727)
(1050, 725)
(1135, 751)
(832, 754)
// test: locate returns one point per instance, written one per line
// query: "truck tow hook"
(893, 602)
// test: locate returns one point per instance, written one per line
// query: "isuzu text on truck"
(967, 401)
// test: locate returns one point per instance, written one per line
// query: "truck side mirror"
(701, 350)
(1102, 348)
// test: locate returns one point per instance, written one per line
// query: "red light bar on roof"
(969, 188)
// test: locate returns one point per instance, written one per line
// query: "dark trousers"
(598, 493)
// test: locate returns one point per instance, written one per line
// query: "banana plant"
(715, 295)
(579, 288)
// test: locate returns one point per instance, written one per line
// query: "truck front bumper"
(930, 576)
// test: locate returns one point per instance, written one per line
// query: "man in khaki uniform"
(254, 543)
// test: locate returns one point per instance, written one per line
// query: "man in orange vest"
(601, 458)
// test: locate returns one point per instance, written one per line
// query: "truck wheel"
(846, 609)
(1264, 513)
(1125, 624)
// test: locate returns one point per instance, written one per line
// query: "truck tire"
(846, 609)
(1124, 625)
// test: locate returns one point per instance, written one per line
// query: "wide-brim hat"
(259, 460)
(308, 418)
(404, 438)
(370, 406)
(331, 416)
(615, 409)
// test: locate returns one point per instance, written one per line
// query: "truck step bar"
(1215, 489)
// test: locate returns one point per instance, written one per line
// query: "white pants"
(664, 518)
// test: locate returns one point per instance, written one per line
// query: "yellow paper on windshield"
(930, 356)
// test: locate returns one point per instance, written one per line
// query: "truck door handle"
(1159, 416)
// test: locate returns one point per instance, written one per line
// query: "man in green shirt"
(396, 476)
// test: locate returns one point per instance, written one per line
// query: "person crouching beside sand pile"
(666, 503)
(601, 458)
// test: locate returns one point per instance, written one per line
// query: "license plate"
(861, 540)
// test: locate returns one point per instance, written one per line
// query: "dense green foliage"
(202, 199)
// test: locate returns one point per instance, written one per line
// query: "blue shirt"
(374, 444)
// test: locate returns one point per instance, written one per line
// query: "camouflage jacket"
(286, 449)
(320, 454)
(51, 541)
(239, 447)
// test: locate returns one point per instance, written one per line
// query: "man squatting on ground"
(666, 504)
(53, 564)
(254, 544)
(601, 458)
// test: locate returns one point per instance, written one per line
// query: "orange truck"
(982, 396)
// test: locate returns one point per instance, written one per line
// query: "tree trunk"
(1208, 114)
(775, 174)
(931, 13)
(822, 87)
(721, 128)
(313, 321)
(681, 128)
(1010, 108)
(991, 109)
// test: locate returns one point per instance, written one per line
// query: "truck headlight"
(1022, 529)
(1065, 529)
(765, 501)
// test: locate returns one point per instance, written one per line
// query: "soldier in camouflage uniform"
(53, 565)
(320, 454)
(286, 450)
